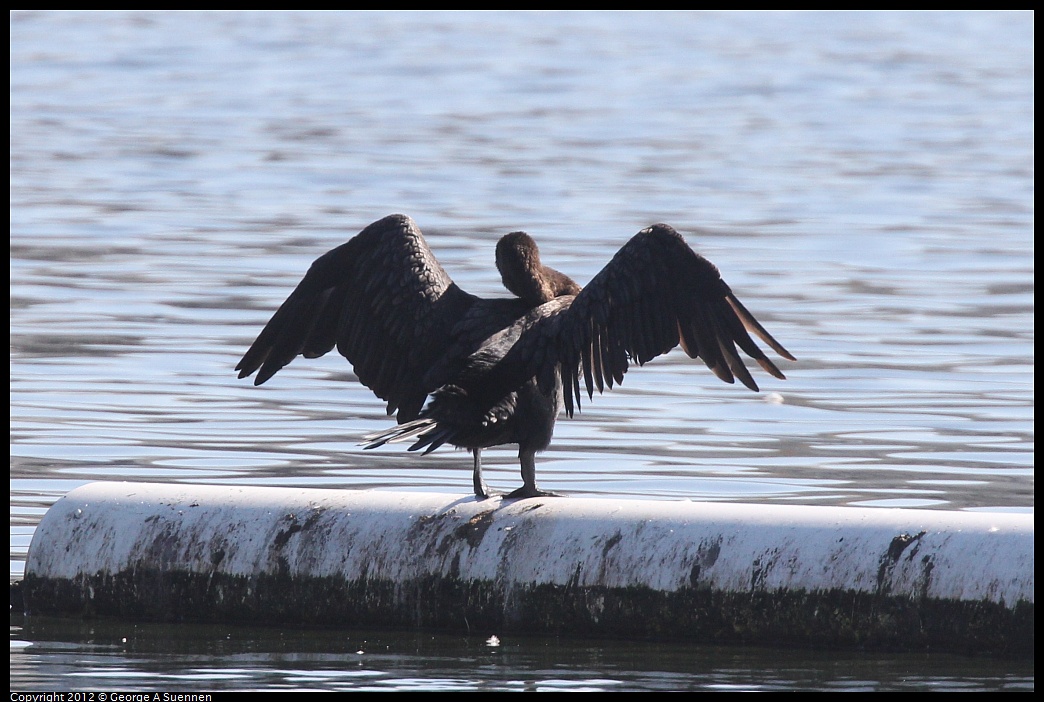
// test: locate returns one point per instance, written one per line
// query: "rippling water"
(864, 182)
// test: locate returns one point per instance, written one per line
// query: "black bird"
(499, 371)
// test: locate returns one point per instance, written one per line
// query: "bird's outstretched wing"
(383, 299)
(655, 294)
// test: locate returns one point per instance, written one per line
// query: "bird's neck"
(539, 285)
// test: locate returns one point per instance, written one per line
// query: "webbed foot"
(527, 491)
(484, 493)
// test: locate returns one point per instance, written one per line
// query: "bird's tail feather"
(402, 432)
(427, 432)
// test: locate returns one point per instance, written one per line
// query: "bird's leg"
(529, 487)
(481, 491)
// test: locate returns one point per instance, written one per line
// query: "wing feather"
(386, 304)
(654, 294)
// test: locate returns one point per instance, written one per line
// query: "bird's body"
(499, 371)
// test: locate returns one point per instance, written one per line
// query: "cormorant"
(499, 371)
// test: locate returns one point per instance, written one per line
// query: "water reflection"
(865, 182)
(103, 655)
